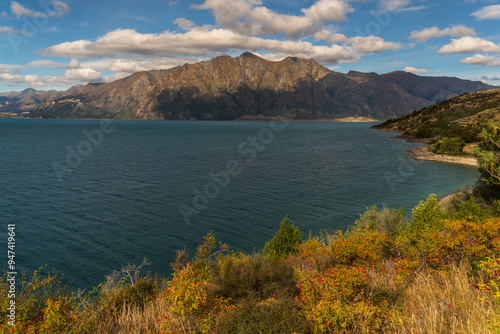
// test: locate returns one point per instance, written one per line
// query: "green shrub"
(383, 221)
(451, 146)
(469, 210)
(427, 215)
(488, 155)
(285, 241)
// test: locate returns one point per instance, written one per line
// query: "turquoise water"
(89, 197)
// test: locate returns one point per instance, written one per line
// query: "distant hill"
(227, 88)
(27, 100)
(463, 116)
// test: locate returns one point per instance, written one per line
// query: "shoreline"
(241, 119)
(424, 153)
(349, 119)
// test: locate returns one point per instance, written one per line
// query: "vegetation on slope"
(437, 273)
(454, 122)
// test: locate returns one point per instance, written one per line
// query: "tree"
(488, 155)
(285, 241)
(427, 215)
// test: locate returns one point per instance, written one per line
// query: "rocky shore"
(424, 153)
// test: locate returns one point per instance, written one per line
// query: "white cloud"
(433, 32)
(488, 13)
(198, 42)
(469, 45)
(74, 63)
(415, 70)
(82, 74)
(398, 5)
(250, 18)
(6, 30)
(482, 60)
(54, 8)
(372, 44)
(184, 23)
(70, 78)
(398, 63)
(369, 44)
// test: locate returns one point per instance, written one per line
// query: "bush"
(451, 146)
(385, 221)
(334, 301)
(426, 215)
(267, 316)
(251, 277)
(285, 241)
(488, 155)
(470, 210)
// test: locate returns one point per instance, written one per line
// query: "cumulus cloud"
(372, 44)
(70, 78)
(184, 23)
(482, 60)
(366, 45)
(415, 70)
(82, 74)
(77, 72)
(52, 9)
(488, 13)
(469, 45)
(249, 17)
(198, 42)
(433, 32)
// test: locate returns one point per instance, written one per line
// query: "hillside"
(437, 273)
(461, 117)
(226, 88)
(24, 102)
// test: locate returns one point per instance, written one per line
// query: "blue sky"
(55, 44)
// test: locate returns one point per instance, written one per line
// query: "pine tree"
(285, 241)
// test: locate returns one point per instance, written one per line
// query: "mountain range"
(248, 86)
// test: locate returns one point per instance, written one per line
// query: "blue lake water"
(89, 197)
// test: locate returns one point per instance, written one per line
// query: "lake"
(90, 196)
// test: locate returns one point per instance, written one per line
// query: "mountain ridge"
(227, 88)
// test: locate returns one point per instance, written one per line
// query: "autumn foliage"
(436, 273)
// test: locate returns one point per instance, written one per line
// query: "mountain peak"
(249, 55)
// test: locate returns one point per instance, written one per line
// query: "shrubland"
(437, 272)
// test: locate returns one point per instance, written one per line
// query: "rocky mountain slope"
(226, 88)
(26, 101)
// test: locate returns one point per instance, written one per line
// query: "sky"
(56, 44)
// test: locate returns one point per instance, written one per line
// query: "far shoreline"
(250, 118)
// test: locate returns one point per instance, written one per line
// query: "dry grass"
(136, 320)
(430, 303)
